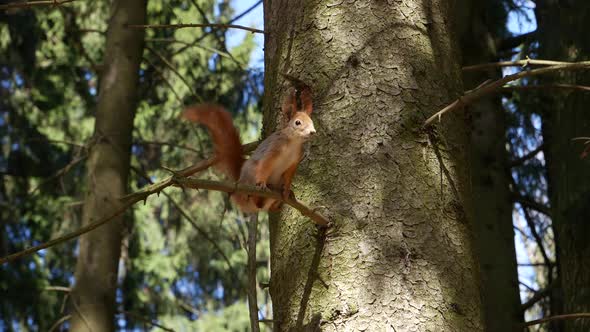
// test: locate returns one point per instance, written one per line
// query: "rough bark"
(492, 203)
(563, 35)
(399, 256)
(93, 296)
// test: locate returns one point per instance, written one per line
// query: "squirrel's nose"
(312, 131)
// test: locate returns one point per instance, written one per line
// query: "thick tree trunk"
(563, 36)
(93, 296)
(399, 256)
(492, 203)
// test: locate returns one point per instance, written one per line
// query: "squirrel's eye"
(297, 122)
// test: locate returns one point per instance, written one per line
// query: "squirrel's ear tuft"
(305, 98)
(290, 103)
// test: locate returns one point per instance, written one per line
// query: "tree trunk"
(563, 36)
(492, 203)
(399, 256)
(93, 296)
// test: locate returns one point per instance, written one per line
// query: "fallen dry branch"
(491, 87)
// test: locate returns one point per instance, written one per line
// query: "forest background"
(183, 253)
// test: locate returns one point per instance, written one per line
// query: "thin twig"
(145, 320)
(520, 160)
(58, 288)
(530, 203)
(538, 296)
(181, 26)
(174, 70)
(191, 221)
(531, 224)
(252, 294)
(79, 312)
(29, 4)
(518, 63)
(486, 89)
(71, 235)
(161, 72)
(172, 145)
(60, 321)
(59, 173)
(583, 88)
(557, 317)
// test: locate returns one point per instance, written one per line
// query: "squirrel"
(275, 160)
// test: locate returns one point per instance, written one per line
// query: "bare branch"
(60, 321)
(172, 145)
(518, 63)
(60, 172)
(29, 4)
(530, 203)
(557, 317)
(491, 87)
(582, 88)
(538, 296)
(58, 288)
(520, 160)
(537, 237)
(252, 294)
(142, 195)
(182, 26)
(174, 70)
(514, 41)
(145, 320)
(231, 187)
(191, 221)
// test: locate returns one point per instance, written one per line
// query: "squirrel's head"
(297, 108)
(301, 125)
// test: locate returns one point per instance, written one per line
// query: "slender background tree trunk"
(399, 256)
(563, 31)
(494, 232)
(93, 296)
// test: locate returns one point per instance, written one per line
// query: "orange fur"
(226, 140)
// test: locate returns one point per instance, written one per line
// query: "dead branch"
(530, 203)
(180, 180)
(538, 239)
(58, 323)
(29, 4)
(231, 187)
(252, 294)
(518, 63)
(582, 88)
(520, 160)
(58, 289)
(488, 88)
(145, 320)
(174, 70)
(538, 296)
(557, 317)
(182, 26)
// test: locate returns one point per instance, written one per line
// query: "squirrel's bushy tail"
(226, 140)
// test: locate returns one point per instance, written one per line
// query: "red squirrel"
(273, 163)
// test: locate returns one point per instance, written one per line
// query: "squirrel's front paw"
(261, 186)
